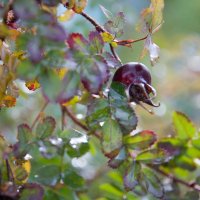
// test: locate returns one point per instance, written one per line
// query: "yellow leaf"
(107, 37)
(67, 15)
(157, 15)
(79, 6)
(32, 85)
(9, 101)
(114, 44)
(27, 166)
(21, 169)
(71, 4)
(61, 72)
(73, 101)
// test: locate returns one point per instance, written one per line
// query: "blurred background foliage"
(175, 76)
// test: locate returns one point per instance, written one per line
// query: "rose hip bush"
(94, 150)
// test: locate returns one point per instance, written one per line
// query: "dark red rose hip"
(137, 79)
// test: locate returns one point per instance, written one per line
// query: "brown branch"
(9, 172)
(129, 42)
(74, 119)
(62, 117)
(77, 122)
(98, 27)
(39, 114)
(192, 185)
(115, 54)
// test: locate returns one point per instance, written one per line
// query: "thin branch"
(98, 27)
(75, 120)
(192, 185)
(9, 172)
(39, 114)
(115, 54)
(62, 117)
(129, 42)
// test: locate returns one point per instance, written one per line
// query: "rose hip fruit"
(137, 79)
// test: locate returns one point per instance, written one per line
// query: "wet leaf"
(77, 41)
(154, 185)
(94, 73)
(185, 162)
(72, 179)
(59, 192)
(140, 140)
(191, 195)
(78, 151)
(196, 143)
(111, 60)
(47, 175)
(132, 176)
(184, 128)
(53, 32)
(111, 136)
(153, 156)
(45, 128)
(118, 159)
(24, 134)
(98, 112)
(120, 108)
(69, 88)
(32, 191)
(26, 10)
(111, 191)
(96, 42)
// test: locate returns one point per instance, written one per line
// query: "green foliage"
(64, 155)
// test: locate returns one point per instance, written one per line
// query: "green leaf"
(118, 160)
(98, 112)
(59, 193)
(153, 156)
(153, 183)
(24, 134)
(78, 151)
(72, 179)
(111, 136)
(47, 175)
(51, 84)
(140, 140)
(70, 86)
(20, 173)
(157, 8)
(185, 162)
(185, 129)
(111, 191)
(132, 175)
(196, 143)
(3, 149)
(191, 195)
(96, 42)
(45, 128)
(120, 109)
(31, 191)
